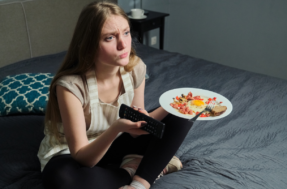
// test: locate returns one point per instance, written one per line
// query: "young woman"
(86, 145)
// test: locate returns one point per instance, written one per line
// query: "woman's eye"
(109, 38)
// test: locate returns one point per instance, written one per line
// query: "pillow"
(146, 76)
(24, 93)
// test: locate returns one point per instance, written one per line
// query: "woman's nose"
(121, 43)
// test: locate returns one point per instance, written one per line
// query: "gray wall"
(246, 34)
(36, 27)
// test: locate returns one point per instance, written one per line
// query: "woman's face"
(115, 42)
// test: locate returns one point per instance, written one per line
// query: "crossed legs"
(64, 172)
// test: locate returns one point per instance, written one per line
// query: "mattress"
(246, 149)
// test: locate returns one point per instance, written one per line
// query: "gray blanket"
(246, 149)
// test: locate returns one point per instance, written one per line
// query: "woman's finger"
(134, 127)
(143, 123)
(139, 124)
(138, 132)
(135, 108)
(143, 111)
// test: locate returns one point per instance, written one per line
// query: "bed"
(246, 149)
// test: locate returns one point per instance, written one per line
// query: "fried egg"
(197, 105)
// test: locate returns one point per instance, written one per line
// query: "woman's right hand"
(125, 125)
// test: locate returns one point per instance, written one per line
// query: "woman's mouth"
(124, 55)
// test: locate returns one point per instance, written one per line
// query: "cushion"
(25, 93)
(146, 76)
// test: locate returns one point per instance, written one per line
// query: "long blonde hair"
(81, 54)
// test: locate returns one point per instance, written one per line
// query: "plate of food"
(188, 102)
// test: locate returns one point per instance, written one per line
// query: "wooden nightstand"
(152, 21)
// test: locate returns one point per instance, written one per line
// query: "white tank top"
(102, 116)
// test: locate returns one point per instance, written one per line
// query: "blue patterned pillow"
(24, 93)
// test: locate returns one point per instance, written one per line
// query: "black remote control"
(153, 126)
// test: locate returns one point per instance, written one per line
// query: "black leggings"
(64, 172)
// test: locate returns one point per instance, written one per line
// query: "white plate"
(167, 98)
(137, 18)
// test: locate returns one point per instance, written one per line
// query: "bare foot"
(127, 187)
(130, 163)
(137, 183)
(142, 181)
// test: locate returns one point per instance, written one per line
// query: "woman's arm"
(88, 154)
